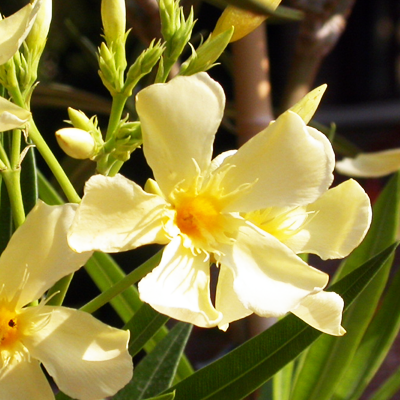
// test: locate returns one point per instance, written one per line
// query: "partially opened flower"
(15, 28)
(370, 165)
(12, 116)
(248, 211)
(86, 358)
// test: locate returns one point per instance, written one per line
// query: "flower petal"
(24, 380)
(15, 28)
(117, 215)
(38, 254)
(180, 286)
(269, 279)
(11, 115)
(227, 301)
(288, 163)
(323, 311)
(86, 358)
(338, 221)
(370, 165)
(179, 121)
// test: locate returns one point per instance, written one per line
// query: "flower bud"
(113, 15)
(243, 21)
(77, 143)
(38, 35)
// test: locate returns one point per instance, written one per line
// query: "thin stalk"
(53, 164)
(12, 180)
(117, 109)
(123, 284)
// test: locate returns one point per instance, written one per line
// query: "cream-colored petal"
(370, 165)
(15, 28)
(288, 163)
(117, 215)
(11, 115)
(87, 359)
(179, 121)
(38, 254)
(337, 222)
(269, 279)
(227, 301)
(24, 380)
(323, 311)
(180, 286)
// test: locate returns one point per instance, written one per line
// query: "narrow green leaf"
(327, 360)
(247, 367)
(282, 382)
(29, 183)
(145, 323)
(156, 371)
(374, 346)
(6, 221)
(168, 396)
(389, 388)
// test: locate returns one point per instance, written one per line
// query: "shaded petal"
(38, 254)
(24, 380)
(180, 286)
(269, 279)
(15, 28)
(337, 222)
(117, 215)
(179, 121)
(323, 311)
(86, 358)
(227, 301)
(370, 165)
(11, 115)
(289, 163)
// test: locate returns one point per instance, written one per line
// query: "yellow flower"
(12, 116)
(15, 28)
(86, 358)
(248, 211)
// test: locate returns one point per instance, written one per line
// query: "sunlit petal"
(39, 250)
(12, 116)
(337, 222)
(15, 28)
(179, 121)
(370, 165)
(289, 163)
(269, 279)
(180, 286)
(86, 358)
(323, 311)
(24, 380)
(117, 215)
(227, 301)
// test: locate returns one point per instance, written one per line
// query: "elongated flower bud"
(113, 15)
(77, 143)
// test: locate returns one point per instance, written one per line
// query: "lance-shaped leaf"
(246, 368)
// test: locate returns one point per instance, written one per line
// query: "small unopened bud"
(113, 15)
(77, 143)
(243, 21)
(38, 35)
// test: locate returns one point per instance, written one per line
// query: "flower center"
(9, 333)
(198, 216)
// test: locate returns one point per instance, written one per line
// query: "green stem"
(123, 284)
(53, 164)
(12, 180)
(4, 161)
(117, 109)
(16, 149)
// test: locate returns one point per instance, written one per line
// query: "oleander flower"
(249, 212)
(86, 358)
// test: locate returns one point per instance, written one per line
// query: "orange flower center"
(198, 216)
(8, 327)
